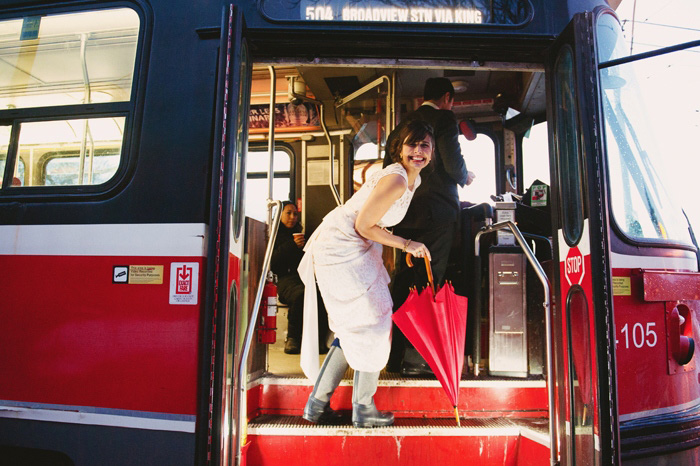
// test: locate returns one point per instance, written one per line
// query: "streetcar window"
(567, 148)
(66, 87)
(535, 155)
(67, 59)
(367, 151)
(641, 205)
(256, 181)
(480, 158)
(244, 85)
(69, 152)
(4, 145)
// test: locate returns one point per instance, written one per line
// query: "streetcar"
(145, 149)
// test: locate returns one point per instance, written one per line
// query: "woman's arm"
(388, 190)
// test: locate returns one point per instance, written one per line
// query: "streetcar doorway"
(500, 109)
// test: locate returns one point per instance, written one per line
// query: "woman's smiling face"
(417, 154)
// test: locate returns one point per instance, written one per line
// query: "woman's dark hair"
(412, 131)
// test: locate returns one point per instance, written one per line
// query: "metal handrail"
(389, 107)
(240, 388)
(554, 450)
(86, 127)
(322, 118)
(271, 140)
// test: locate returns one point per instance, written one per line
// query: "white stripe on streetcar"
(97, 419)
(141, 239)
(623, 261)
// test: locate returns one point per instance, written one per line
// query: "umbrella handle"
(428, 269)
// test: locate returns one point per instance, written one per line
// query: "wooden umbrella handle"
(428, 269)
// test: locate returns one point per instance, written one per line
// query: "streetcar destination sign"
(402, 15)
(501, 12)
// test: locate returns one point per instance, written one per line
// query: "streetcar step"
(290, 440)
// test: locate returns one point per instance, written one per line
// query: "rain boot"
(364, 413)
(318, 407)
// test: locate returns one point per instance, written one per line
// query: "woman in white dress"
(344, 257)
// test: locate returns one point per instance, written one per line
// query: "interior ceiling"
(517, 89)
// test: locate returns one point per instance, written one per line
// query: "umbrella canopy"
(436, 325)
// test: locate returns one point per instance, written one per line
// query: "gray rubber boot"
(364, 412)
(318, 407)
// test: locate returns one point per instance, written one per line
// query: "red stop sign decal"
(574, 267)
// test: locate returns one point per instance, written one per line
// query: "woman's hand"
(299, 239)
(418, 249)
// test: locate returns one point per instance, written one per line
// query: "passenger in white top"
(344, 257)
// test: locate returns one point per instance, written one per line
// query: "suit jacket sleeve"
(447, 144)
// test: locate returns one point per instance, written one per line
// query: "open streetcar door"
(216, 427)
(584, 335)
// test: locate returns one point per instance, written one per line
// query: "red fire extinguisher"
(267, 332)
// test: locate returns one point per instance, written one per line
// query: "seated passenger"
(286, 255)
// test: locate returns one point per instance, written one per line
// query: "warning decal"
(184, 278)
(145, 274)
(138, 274)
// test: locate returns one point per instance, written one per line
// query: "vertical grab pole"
(241, 379)
(86, 127)
(271, 144)
(322, 119)
(553, 444)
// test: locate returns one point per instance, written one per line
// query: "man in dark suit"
(433, 215)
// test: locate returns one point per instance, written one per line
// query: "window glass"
(256, 183)
(244, 78)
(259, 160)
(67, 59)
(535, 155)
(582, 382)
(4, 144)
(480, 157)
(567, 148)
(648, 157)
(367, 151)
(69, 152)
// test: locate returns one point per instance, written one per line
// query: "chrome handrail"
(250, 330)
(271, 140)
(322, 119)
(389, 107)
(553, 449)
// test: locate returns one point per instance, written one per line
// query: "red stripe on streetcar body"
(671, 286)
(72, 337)
(644, 381)
(394, 450)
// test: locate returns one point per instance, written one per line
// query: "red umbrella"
(436, 325)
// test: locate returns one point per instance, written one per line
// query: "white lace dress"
(353, 282)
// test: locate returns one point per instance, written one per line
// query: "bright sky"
(673, 89)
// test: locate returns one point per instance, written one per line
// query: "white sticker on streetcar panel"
(184, 279)
(120, 274)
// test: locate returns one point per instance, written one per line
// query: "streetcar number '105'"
(641, 334)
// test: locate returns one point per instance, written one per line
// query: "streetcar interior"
(501, 111)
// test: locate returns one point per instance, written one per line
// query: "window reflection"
(641, 204)
(256, 182)
(68, 152)
(68, 59)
